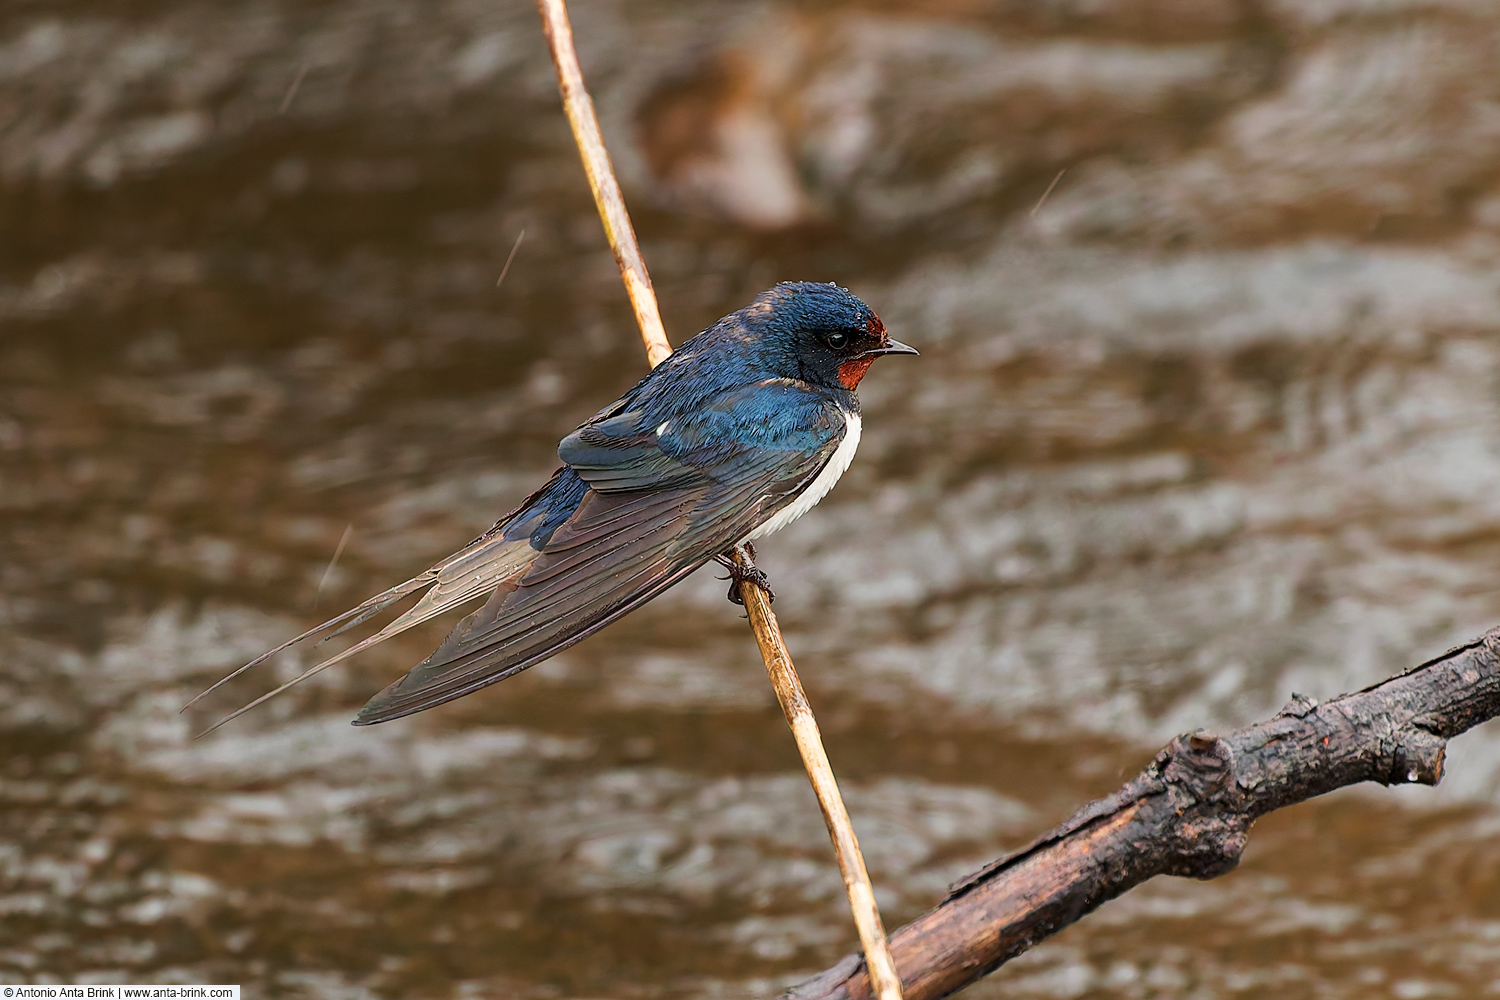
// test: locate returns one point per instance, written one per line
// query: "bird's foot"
(744, 574)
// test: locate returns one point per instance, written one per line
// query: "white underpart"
(820, 486)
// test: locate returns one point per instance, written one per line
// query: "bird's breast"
(821, 484)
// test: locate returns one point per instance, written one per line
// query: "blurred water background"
(1220, 421)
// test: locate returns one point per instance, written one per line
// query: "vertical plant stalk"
(601, 173)
(596, 164)
(885, 983)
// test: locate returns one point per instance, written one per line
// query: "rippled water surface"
(1219, 421)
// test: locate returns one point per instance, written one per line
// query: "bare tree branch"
(1189, 814)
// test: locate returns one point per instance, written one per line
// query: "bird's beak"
(890, 347)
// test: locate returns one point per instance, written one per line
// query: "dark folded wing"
(663, 500)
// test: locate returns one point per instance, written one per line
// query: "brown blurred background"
(1220, 421)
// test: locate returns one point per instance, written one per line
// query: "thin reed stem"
(799, 716)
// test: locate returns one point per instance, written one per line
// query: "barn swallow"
(737, 434)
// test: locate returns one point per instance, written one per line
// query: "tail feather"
(333, 627)
(479, 569)
(571, 591)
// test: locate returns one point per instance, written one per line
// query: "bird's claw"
(752, 575)
(745, 574)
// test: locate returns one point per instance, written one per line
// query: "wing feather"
(618, 551)
(564, 598)
(637, 506)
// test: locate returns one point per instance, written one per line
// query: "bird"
(734, 436)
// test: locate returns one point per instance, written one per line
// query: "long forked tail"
(464, 576)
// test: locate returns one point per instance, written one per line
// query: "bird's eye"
(836, 340)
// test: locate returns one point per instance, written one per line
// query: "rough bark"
(1189, 813)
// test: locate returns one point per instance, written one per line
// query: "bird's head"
(820, 333)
